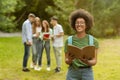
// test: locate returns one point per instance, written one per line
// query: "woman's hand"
(45, 38)
(68, 58)
(90, 62)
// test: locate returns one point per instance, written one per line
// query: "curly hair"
(81, 13)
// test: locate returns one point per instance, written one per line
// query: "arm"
(68, 58)
(60, 34)
(37, 34)
(28, 34)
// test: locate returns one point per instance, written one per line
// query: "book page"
(88, 52)
(75, 51)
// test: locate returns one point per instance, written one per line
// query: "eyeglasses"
(79, 24)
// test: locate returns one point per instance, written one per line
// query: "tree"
(6, 14)
(33, 6)
(105, 14)
(106, 17)
(62, 11)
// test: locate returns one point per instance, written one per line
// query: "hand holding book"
(68, 58)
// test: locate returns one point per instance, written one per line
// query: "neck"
(81, 35)
(45, 29)
(29, 19)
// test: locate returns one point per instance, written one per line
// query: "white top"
(58, 41)
(38, 30)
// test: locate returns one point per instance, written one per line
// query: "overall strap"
(70, 40)
(91, 40)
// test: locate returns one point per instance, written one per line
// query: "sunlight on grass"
(11, 55)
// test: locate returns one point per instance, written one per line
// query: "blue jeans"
(80, 74)
(46, 45)
(26, 55)
(34, 50)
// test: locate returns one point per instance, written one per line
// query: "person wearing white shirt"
(57, 38)
(36, 32)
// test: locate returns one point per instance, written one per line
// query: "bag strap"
(70, 40)
(91, 40)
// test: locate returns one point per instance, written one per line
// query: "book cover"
(87, 52)
(46, 35)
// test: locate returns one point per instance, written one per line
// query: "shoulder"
(96, 43)
(59, 26)
(69, 39)
(91, 36)
(26, 22)
(95, 39)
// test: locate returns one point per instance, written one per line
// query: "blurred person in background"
(45, 36)
(57, 40)
(36, 29)
(27, 39)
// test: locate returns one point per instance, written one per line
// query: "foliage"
(106, 14)
(33, 6)
(6, 14)
(62, 11)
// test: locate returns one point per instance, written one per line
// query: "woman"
(36, 32)
(45, 36)
(80, 68)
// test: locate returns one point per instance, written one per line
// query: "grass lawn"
(11, 57)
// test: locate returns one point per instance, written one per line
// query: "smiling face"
(80, 25)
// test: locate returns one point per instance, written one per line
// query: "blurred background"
(106, 14)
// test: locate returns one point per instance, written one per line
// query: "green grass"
(11, 55)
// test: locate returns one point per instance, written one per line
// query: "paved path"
(2, 34)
